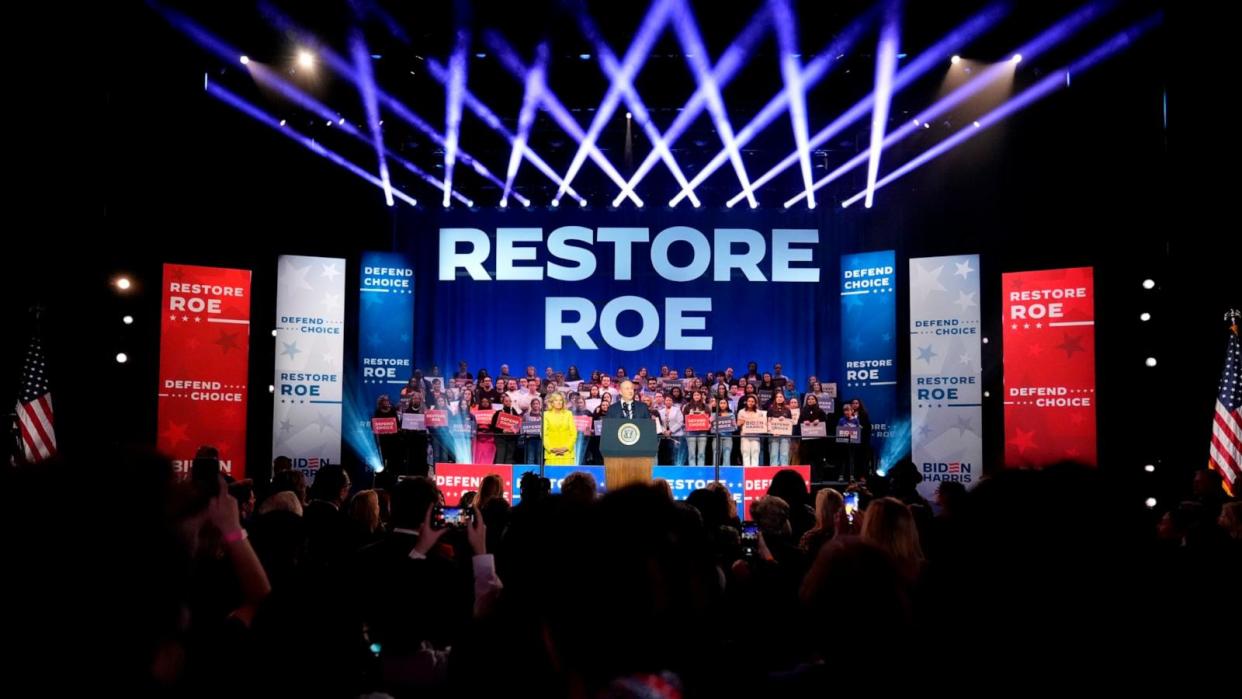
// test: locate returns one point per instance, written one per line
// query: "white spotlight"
(1017, 58)
(987, 394)
(273, 333)
(123, 283)
(1151, 361)
(629, 115)
(1151, 503)
(128, 320)
(955, 60)
(985, 341)
(1150, 468)
(556, 202)
(282, 122)
(271, 388)
(121, 358)
(504, 203)
(306, 59)
(245, 60)
(1149, 283)
(1145, 316)
(582, 203)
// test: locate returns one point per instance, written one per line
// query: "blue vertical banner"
(385, 326)
(946, 391)
(869, 340)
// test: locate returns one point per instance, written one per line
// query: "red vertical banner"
(204, 352)
(1049, 323)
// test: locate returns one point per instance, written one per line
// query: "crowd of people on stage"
(667, 397)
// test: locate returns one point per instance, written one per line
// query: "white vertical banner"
(310, 349)
(946, 376)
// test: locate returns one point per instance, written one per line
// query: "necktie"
(629, 411)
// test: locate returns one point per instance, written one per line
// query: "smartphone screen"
(851, 506)
(454, 516)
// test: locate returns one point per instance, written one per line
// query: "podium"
(629, 448)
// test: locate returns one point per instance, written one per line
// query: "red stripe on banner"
(1049, 355)
(456, 479)
(757, 479)
(204, 365)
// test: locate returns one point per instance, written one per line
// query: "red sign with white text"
(204, 350)
(1049, 333)
(454, 480)
(758, 478)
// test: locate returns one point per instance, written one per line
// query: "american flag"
(1225, 451)
(34, 406)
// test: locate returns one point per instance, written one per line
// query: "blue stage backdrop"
(601, 290)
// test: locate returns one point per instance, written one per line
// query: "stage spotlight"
(128, 320)
(273, 333)
(245, 60)
(123, 283)
(582, 203)
(754, 204)
(1145, 316)
(955, 60)
(556, 202)
(1017, 58)
(1149, 283)
(629, 115)
(306, 59)
(1151, 361)
(926, 125)
(504, 203)
(584, 56)
(271, 388)
(1150, 468)
(916, 122)
(329, 123)
(985, 341)
(976, 124)
(282, 122)
(445, 203)
(1151, 503)
(987, 394)
(480, 55)
(121, 358)
(341, 122)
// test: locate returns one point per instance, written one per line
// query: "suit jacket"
(640, 410)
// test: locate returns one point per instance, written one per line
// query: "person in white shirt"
(521, 398)
(605, 386)
(675, 428)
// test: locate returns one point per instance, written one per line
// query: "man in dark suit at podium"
(628, 407)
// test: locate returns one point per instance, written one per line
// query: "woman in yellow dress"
(560, 434)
